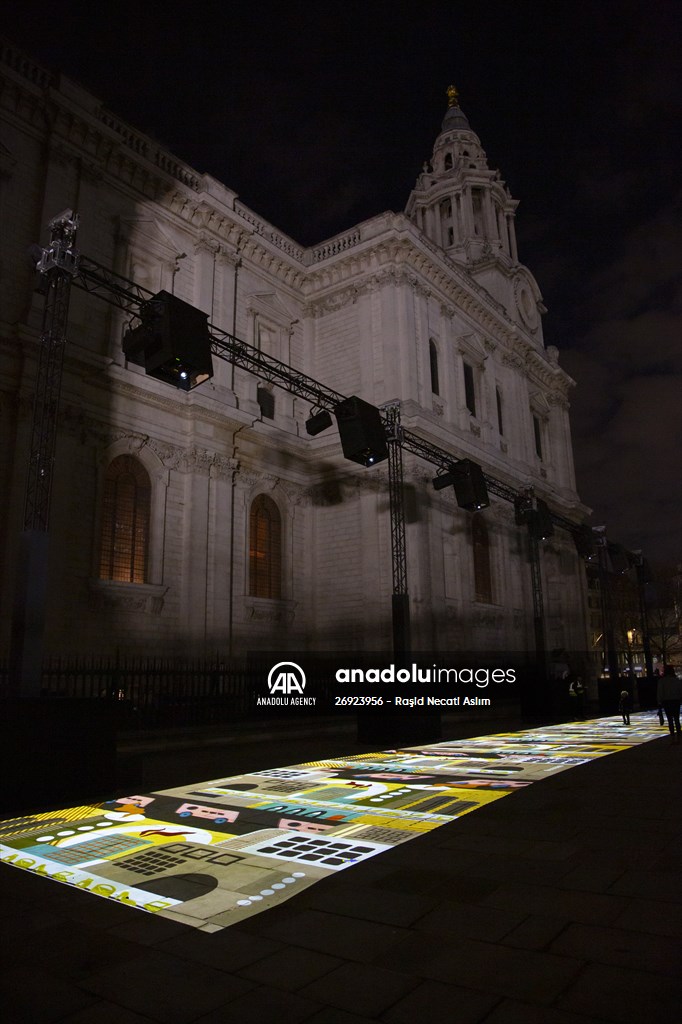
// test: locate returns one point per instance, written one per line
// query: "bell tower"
(458, 202)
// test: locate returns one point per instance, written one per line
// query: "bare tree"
(664, 612)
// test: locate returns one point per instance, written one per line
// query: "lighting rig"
(58, 264)
(175, 343)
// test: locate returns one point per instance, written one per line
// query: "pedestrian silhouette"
(576, 692)
(669, 695)
(624, 706)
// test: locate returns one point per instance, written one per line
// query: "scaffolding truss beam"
(130, 297)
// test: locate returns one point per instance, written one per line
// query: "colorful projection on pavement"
(212, 853)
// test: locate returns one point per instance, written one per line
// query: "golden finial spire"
(453, 96)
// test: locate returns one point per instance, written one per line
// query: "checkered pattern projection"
(213, 853)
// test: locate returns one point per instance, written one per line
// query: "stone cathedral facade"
(205, 521)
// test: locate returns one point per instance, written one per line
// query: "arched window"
(448, 162)
(433, 360)
(125, 521)
(483, 588)
(265, 548)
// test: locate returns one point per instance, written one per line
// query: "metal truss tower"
(58, 265)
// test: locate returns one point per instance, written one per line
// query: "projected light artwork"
(212, 853)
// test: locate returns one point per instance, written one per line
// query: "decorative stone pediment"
(473, 348)
(539, 403)
(270, 306)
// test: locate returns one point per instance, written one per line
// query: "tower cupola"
(457, 201)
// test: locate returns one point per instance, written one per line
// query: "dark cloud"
(627, 448)
(646, 271)
(320, 115)
(627, 407)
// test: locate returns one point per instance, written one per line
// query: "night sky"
(320, 115)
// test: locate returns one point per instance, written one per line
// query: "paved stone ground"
(560, 904)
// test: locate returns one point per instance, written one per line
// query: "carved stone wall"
(355, 312)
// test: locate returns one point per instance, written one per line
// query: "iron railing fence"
(150, 692)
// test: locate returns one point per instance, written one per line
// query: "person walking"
(576, 692)
(669, 695)
(624, 706)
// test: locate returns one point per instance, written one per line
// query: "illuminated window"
(433, 359)
(483, 588)
(125, 521)
(265, 548)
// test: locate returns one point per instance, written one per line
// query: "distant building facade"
(210, 520)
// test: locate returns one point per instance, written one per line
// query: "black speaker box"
(361, 430)
(469, 483)
(584, 541)
(173, 336)
(540, 523)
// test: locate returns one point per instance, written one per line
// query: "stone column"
(205, 252)
(195, 533)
